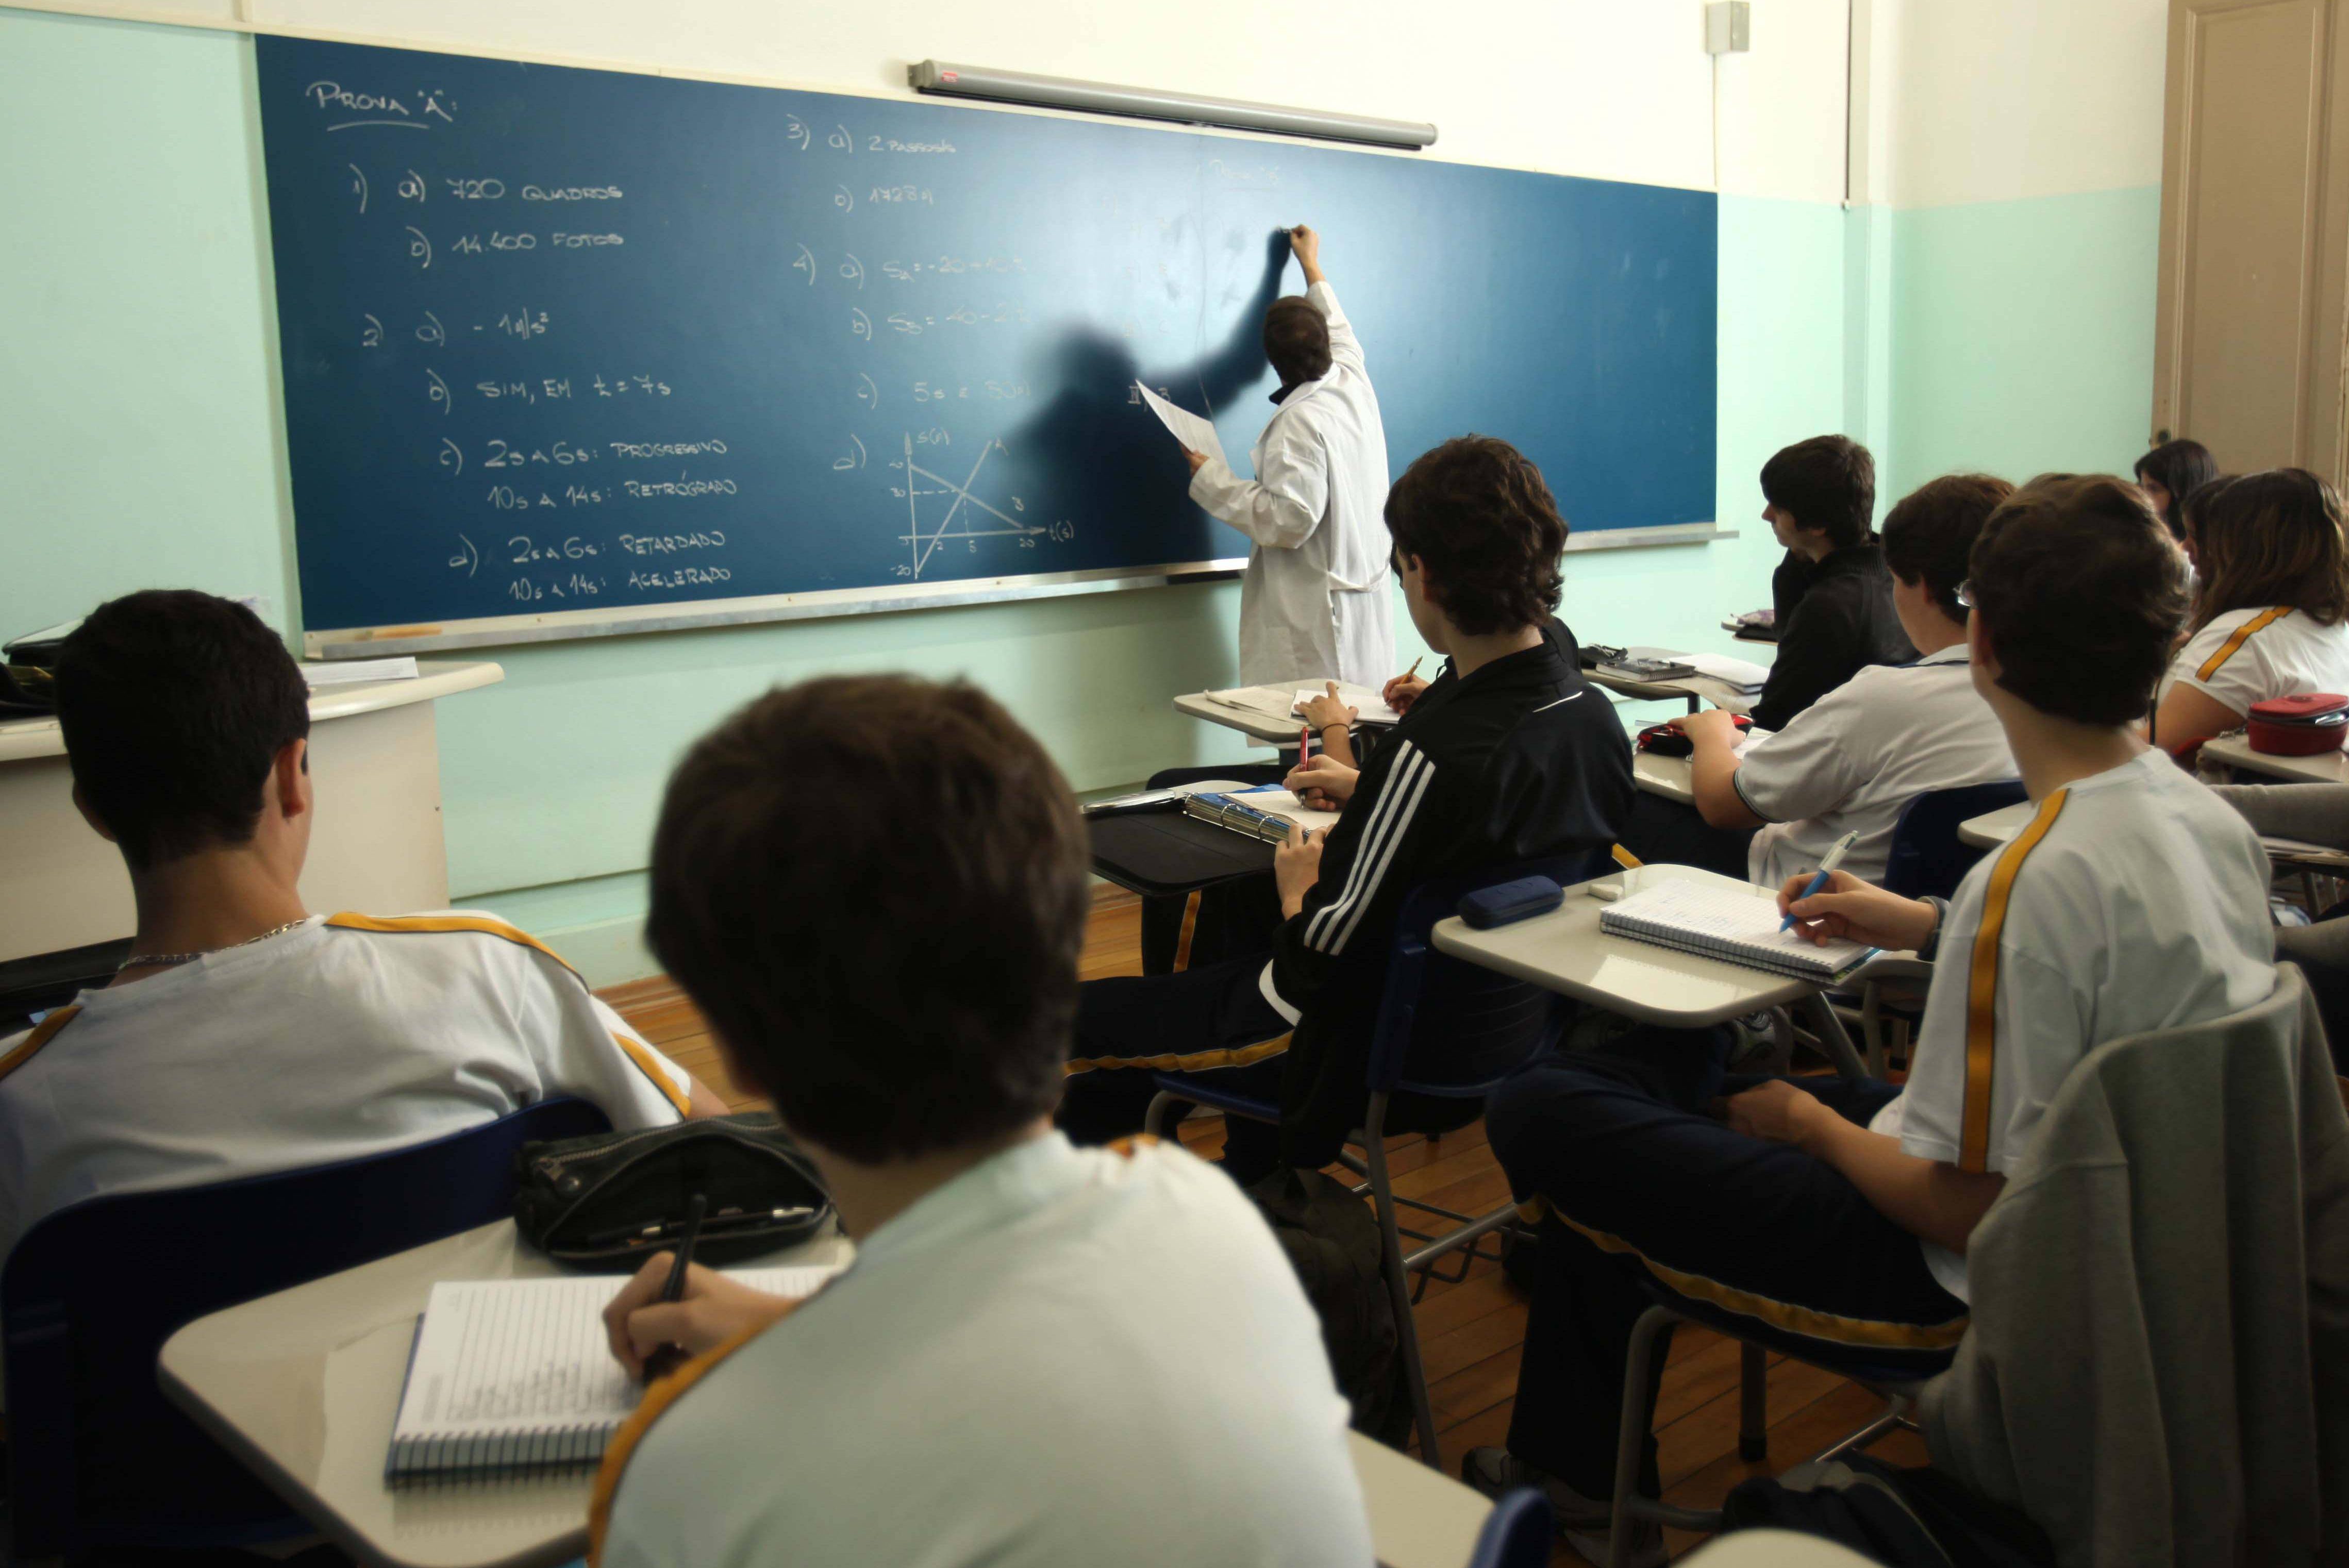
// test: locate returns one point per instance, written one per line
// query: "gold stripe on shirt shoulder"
(1982, 987)
(654, 1404)
(2240, 635)
(409, 924)
(643, 1056)
(43, 1033)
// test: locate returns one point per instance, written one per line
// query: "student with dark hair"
(2134, 901)
(1854, 760)
(2169, 473)
(2271, 606)
(1313, 601)
(1822, 496)
(874, 887)
(1507, 755)
(244, 1034)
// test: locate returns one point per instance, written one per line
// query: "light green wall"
(2023, 334)
(140, 431)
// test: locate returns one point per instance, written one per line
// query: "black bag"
(1332, 1242)
(1908, 1518)
(609, 1202)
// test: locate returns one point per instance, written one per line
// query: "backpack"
(1908, 1518)
(1332, 1242)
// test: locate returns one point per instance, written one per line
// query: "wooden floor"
(1470, 1332)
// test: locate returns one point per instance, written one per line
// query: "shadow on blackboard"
(1111, 460)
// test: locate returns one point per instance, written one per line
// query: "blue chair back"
(1515, 1533)
(1452, 1029)
(1927, 858)
(95, 1456)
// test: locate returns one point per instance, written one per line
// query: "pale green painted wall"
(2023, 334)
(141, 438)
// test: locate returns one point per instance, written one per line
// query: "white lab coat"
(1314, 603)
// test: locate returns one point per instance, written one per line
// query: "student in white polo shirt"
(246, 1034)
(874, 889)
(1854, 760)
(2271, 609)
(2135, 901)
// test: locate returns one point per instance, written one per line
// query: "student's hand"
(1322, 783)
(1196, 459)
(1321, 712)
(1295, 866)
(715, 1309)
(1859, 910)
(1775, 1110)
(1308, 246)
(1402, 692)
(1713, 727)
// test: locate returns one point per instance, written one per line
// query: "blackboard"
(565, 347)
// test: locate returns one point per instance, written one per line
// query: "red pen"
(1304, 744)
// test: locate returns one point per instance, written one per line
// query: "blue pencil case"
(1510, 900)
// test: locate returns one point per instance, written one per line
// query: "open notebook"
(1728, 923)
(512, 1376)
(1265, 812)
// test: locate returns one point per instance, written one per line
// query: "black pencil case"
(1506, 902)
(607, 1202)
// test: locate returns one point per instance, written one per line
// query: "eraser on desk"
(1506, 902)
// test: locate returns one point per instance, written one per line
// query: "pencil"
(668, 1358)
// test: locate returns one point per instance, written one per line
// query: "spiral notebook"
(1266, 813)
(1734, 924)
(512, 1377)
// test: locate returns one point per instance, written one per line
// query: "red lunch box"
(2304, 726)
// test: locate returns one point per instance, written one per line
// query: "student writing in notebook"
(2271, 609)
(2135, 901)
(1857, 757)
(246, 1034)
(874, 889)
(1507, 756)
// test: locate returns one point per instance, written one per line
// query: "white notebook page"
(496, 1357)
(1734, 916)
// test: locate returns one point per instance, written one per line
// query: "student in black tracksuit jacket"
(1518, 758)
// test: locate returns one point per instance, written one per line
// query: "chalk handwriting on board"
(380, 108)
(955, 519)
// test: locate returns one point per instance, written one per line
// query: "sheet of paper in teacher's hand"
(1190, 429)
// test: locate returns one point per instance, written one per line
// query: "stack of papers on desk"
(1369, 707)
(1740, 675)
(1269, 703)
(1715, 920)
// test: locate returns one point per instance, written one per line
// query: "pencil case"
(1510, 900)
(2305, 724)
(607, 1202)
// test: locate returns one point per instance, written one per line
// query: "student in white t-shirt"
(1855, 759)
(2134, 901)
(246, 1034)
(2271, 609)
(875, 888)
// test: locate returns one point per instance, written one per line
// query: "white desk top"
(1713, 691)
(30, 737)
(1565, 951)
(1994, 828)
(2235, 751)
(1669, 777)
(1261, 712)
(303, 1386)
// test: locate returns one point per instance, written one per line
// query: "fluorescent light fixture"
(1149, 103)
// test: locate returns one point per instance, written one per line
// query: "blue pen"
(1826, 868)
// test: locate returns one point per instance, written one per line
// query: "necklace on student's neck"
(166, 960)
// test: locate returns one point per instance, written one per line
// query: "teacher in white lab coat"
(1314, 603)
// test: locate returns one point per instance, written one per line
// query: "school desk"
(1994, 828)
(303, 1386)
(376, 759)
(1670, 778)
(1565, 951)
(2235, 751)
(1261, 712)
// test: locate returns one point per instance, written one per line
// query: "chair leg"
(1631, 1437)
(1753, 1405)
(1422, 1413)
(1153, 1119)
(1832, 1037)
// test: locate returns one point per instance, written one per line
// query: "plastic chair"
(96, 1456)
(1897, 1375)
(1515, 1533)
(1481, 1026)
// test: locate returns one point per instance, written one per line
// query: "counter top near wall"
(25, 739)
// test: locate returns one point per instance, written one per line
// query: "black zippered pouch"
(609, 1201)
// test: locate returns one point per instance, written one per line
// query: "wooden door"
(2254, 233)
